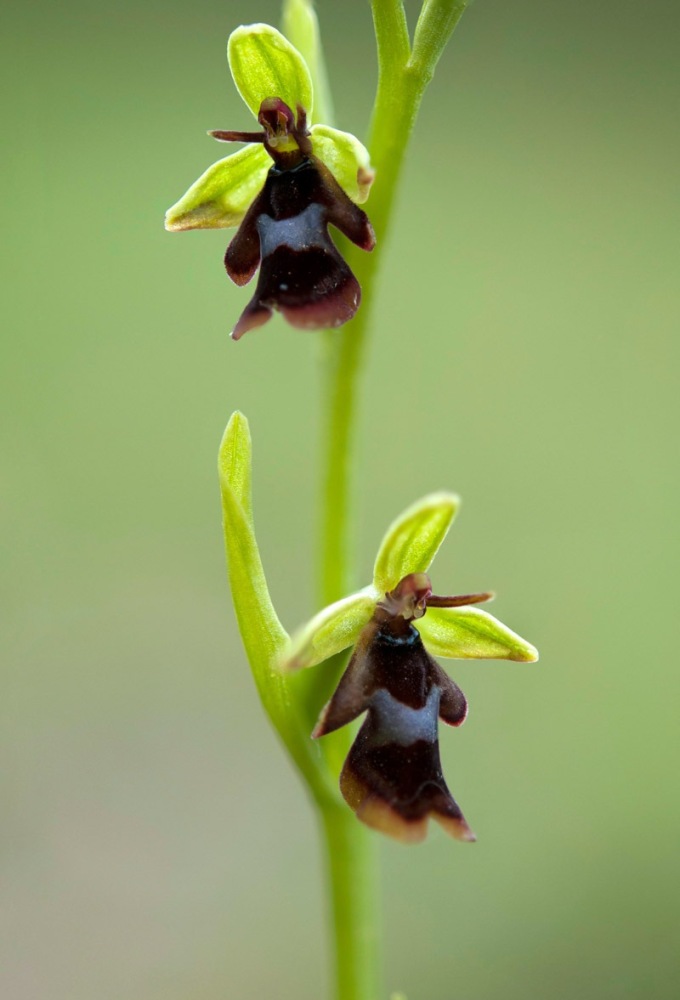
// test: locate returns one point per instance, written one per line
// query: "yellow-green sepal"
(412, 540)
(222, 195)
(264, 64)
(346, 158)
(335, 628)
(470, 633)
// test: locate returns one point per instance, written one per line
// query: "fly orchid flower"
(283, 190)
(392, 778)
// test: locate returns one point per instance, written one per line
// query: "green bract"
(263, 65)
(264, 638)
(262, 633)
(409, 546)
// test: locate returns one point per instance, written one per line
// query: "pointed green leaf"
(222, 195)
(346, 158)
(411, 542)
(264, 638)
(301, 27)
(470, 633)
(264, 64)
(332, 630)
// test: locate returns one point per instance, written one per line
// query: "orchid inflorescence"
(292, 179)
(289, 182)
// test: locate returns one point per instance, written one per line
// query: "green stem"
(344, 349)
(402, 79)
(351, 866)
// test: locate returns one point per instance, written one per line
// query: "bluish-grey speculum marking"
(394, 722)
(299, 232)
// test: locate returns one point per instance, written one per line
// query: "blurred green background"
(156, 845)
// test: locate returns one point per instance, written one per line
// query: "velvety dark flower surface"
(285, 233)
(392, 777)
(284, 189)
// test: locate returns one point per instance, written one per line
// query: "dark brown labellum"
(392, 777)
(285, 233)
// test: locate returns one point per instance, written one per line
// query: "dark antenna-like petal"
(459, 601)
